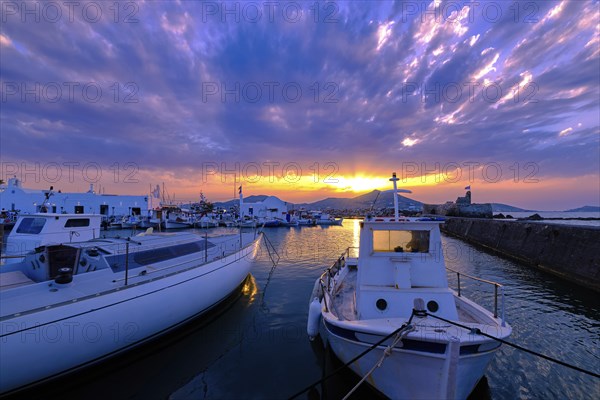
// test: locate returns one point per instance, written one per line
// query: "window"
(31, 226)
(401, 241)
(77, 222)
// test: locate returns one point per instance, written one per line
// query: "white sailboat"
(71, 304)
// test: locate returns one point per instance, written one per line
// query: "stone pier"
(569, 252)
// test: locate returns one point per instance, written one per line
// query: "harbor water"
(255, 345)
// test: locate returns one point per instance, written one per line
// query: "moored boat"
(397, 288)
(326, 219)
(69, 305)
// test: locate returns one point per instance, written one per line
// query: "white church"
(270, 207)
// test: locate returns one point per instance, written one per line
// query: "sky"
(305, 100)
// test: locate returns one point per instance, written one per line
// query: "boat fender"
(317, 291)
(314, 317)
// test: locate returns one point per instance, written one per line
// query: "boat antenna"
(394, 179)
(375, 201)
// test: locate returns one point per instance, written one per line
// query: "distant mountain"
(376, 199)
(364, 201)
(499, 207)
(585, 209)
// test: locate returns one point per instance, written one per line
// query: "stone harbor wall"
(569, 252)
(462, 207)
(459, 210)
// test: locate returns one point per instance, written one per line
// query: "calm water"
(561, 214)
(255, 346)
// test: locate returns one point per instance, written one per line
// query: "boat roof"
(60, 215)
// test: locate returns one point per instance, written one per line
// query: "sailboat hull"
(42, 344)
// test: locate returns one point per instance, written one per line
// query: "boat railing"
(221, 250)
(496, 287)
(329, 273)
(326, 279)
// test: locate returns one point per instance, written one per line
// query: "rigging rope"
(516, 346)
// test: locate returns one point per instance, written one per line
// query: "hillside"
(365, 201)
(585, 209)
(499, 207)
(382, 199)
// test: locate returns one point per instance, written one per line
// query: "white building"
(270, 207)
(14, 197)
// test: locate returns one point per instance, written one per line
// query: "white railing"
(496, 287)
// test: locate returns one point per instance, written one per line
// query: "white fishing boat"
(179, 220)
(247, 223)
(397, 287)
(206, 221)
(326, 219)
(69, 304)
(132, 221)
(306, 222)
(116, 222)
(36, 230)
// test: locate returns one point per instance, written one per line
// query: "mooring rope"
(516, 346)
(409, 327)
(373, 346)
(267, 244)
(387, 352)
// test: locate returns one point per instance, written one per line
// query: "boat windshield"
(411, 241)
(31, 225)
(77, 222)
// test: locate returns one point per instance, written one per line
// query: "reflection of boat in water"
(397, 289)
(105, 296)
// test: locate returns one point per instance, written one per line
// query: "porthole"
(433, 306)
(381, 304)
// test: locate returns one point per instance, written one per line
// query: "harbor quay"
(569, 252)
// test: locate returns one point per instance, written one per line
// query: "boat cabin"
(398, 262)
(35, 230)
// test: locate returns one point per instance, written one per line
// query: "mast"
(394, 179)
(241, 203)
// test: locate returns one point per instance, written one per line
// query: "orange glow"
(185, 185)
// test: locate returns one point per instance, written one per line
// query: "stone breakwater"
(569, 252)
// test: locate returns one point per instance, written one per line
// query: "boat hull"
(38, 346)
(177, 225)
(420, 371)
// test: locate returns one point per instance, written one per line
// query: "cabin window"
(142, 258)
(31, 226)
(414, 241)
(77, 222)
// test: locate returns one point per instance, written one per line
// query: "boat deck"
(344, 301)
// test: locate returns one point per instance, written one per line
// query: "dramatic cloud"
(175, 86)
